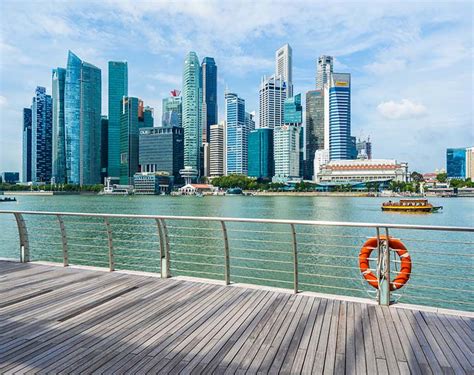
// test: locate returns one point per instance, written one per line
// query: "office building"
(250, 120)
(286, 146)
(104, 150)
(340, 143)
(353, 147)
(314, 128)
(321, 157)
(10, 177)
(470, 163)
(59, 131)
(456, 162)
(148, 117)
(148, 183)
(293, 116)
(82, 115)
(118, 89)
(217, 150)
(364, 148)
(41, 136)
(260, 153)
(284, 67)
(26, 146)
(162, 150)
(272, 96)
(191, 103)
(172, 110)
(237, 135)
(324, 67)
(209, 96)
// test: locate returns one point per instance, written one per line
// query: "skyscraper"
(82, 114)
(470, 163)
(41, 136)
(364, 148)
(324, 69)
(456, 162)
(250, 120)
(118, 88)
(172, 110)
(217, 150)
(293, 116)
(340, 144)
(209, 96)
(314, 128)
(272, 97)
(59, 134)
(261, 153)
(284, 67)
(104, 149)
(286, 146)
(27, 158)
(192, 99)
(237, 135)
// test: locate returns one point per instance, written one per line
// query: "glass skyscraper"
(272, 95)
(314, 128)
(260, 153)
(340, 143)
(82, 114)
(172, 111)
(118, 88)
(237, 135)
(104, 149)
(59, 135)
(324, 69)
(26, 170)
(293, 111)
(456, 162)
(209, 96)
(41, 136)
(192, 99)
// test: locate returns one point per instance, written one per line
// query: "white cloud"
(404, 109)
(3, 101)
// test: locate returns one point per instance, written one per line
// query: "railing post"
(111, 246)
(166, 268)
(226, 254)
(295, 259)
(383, 268)
(23, 234)
(162, 246)
(63, 240)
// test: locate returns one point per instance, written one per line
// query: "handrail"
(249, 220)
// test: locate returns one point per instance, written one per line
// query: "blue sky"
(411, 62)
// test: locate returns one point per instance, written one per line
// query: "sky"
(411, 62)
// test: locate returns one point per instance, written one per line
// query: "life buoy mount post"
(383, 268)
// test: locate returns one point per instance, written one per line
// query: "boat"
(8, 199)
(410, 205)
(234, 191)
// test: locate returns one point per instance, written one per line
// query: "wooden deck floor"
(67, 320)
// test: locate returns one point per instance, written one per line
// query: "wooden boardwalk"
(66, 320)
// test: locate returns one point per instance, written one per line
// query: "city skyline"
(394, 89)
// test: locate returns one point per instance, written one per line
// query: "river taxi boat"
(410, 205)
(8, 199)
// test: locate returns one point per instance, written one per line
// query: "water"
(260, 253)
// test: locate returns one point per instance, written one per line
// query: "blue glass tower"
(456, 162)
(209, 96)
(237, 135)
(26, 170)
(59, 136)
(340, 146)
(82, 114)
(293, 110)
(260, 153)
(172, 112)
(41, 136)
(118, 88)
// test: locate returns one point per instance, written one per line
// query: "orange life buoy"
(405, 268)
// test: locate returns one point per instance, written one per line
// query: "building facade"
(162, 150)
(192, 99)
(172, 110)
(324, 68)
(148, 183)
(82, 114)
(364, 148)
(26, 146)
(340, 143)
(104, 149)
(209, 96)
(41, 136)
(118, 88)
(217, 150)
(284, 67)
(237, 135)
(10, 177)
(314, 128)
(470, 163)
(260, 154)
(272, 96)
(456, 162)
(59, 132)
(250, 120)
(286, 146)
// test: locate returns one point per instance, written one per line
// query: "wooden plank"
(340, 364)
(358, 342)
(459, 342)
(389, 348)
(322, 344)
(350, 353)
(369, 346)
(329, 362)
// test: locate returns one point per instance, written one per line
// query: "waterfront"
(196, 247)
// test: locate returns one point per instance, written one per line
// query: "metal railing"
(304, 255)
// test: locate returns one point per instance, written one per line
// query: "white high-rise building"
(284, 67)
(272, 98)
(321, 157)
(217, 150)
(286, 147)
(324, 69)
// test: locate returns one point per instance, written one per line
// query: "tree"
(417, 177)
(442, 177)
